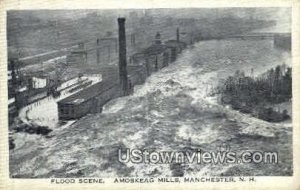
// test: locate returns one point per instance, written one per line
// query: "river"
(170, 112)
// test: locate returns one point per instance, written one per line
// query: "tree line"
(258, 95)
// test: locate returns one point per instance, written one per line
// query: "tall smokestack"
(98, 51)
(177, 35)
(122, 57)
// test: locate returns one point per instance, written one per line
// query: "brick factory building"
(159, 54)
(119, 81)
(94, 97)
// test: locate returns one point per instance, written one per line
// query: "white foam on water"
(150, 116)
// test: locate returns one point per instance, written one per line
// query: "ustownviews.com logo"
(137, 156)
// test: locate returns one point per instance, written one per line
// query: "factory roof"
(94, 90)
(90, 91)
(175, 43)
(155, 49)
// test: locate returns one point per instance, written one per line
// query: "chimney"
(177, 35)
(157, 38)
(122, 57)
(98, 51)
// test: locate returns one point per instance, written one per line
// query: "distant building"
(158, 55)
(154, 57)
(176, 48)
(12, 83)
(39, 82)
(103, 50)
(77, 56)
(17, 91)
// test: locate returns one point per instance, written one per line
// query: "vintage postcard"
(149, 95)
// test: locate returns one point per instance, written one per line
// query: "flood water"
(170, 112)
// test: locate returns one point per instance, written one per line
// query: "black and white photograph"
(150, 93)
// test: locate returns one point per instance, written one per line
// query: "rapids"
(172, 111)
